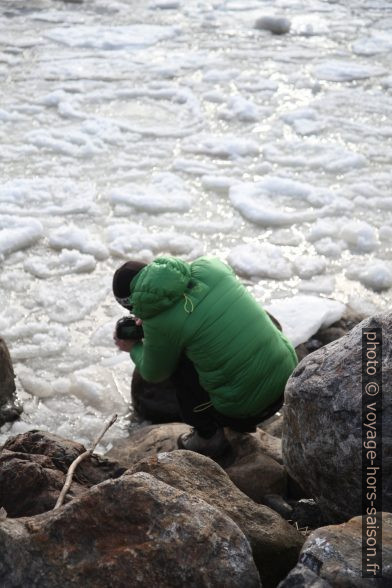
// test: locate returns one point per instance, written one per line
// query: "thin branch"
(76, 462)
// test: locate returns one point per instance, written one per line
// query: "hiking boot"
(212, 447)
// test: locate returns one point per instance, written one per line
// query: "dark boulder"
(133, 531)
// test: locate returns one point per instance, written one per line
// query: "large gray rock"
(9, 408)
(133, 531)
(275, 543)
(322, 429)
(332, 556)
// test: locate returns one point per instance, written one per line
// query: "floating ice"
(260, 261)
(331, 158)
(226, 147)
(320, 284)
(241, 109)
(33, 339)
(266, 202)
(18, 234)
(378, 42)
(48, 196)
(346, 71)
(69, 301)
(68, 262)
(306, 266)
(135, 36)
(130, 238)
(359, 235)
(218, 183)
(329, 247)
(303, 315)
(74, 143)
(72, 237)
(375, 274)
(166, 193)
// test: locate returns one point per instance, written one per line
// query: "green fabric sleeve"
(156, 357)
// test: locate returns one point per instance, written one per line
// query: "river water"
(134, 129)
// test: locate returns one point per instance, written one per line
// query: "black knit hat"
(122, 279)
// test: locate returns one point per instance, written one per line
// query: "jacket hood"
(158, 286)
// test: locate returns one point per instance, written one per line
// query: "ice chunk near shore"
(303, 315)
(266, 202)
(225, 147)
(261, 260)
(375, 274)
(17, 234)
(72, 237)
(241, 109)
(135, 36)
(68, 262)
(346, 71)
(307, 266)
(359, 235)
(35, 339)
(165, 193)
(133, 239)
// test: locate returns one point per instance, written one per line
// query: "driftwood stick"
(76, 462)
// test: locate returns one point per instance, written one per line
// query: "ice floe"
(166, 192)
(262, 260)
(301, 316)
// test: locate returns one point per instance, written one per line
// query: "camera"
(126, 328)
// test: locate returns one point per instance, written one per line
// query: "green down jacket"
(202, 309)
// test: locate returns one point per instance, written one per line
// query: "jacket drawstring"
(203, 406)
(187, 299)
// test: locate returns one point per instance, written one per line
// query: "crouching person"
(202, 328)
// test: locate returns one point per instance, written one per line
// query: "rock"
(147, 441)
(33, 468)
(63, 452)
(274, 425)
(279, 505)
(154, 402)
(334, 555)
(270, 445)
(303, 577)
(277, 25)
(134, 530)
(9, 408)
(30, 484)
(307, 513)
(322, 430)
(275, 544)
(253, 471)
(250, 468)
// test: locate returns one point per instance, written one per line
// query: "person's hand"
(123, 344)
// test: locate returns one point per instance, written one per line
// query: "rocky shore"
(281, 508)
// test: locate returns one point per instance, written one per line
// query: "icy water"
(133, 129)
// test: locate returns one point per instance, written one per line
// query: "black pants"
(192, 399)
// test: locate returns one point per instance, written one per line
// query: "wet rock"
(322, 431)
(134, 530)
(275, 544)
(250, 468)
(278, 25)
(63, 452)
(9, 408)
(334, 556)
(154, 402)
